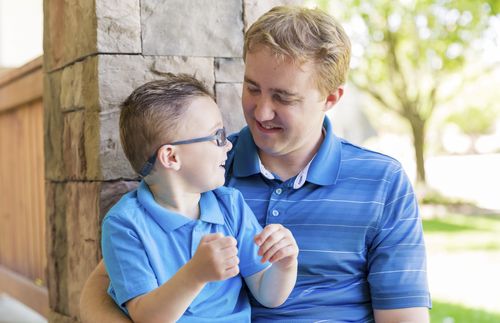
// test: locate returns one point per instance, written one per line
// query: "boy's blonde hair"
(151, 115)
(304, 35)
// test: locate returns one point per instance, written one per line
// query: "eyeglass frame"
(220, 137)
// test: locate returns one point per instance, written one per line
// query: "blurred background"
(424, 87)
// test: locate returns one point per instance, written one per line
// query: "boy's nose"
(228, 145)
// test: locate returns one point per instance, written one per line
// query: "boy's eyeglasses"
(219, 137)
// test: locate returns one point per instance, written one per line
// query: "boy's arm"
(95, 303)
(271, 287)
(215, 259)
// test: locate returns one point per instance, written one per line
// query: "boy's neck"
(176, 200)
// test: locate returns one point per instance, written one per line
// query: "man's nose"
(264, 110)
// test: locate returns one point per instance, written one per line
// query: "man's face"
(282, 105)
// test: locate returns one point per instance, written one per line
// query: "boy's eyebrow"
(279, 91)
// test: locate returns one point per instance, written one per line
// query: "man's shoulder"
(356, 158)
(352, 151)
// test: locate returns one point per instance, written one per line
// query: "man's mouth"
(268, 128)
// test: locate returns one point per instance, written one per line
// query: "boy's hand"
(215, 259)
(277, 245)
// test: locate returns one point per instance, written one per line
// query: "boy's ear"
(333, 97)
(168, 157)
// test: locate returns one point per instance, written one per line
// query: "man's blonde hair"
(151, 115)
(304, 35)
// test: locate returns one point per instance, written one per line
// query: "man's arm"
(95, 303)
(272, 286)
(412, 314)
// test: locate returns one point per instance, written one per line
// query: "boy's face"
(282, 105)
(202, 163)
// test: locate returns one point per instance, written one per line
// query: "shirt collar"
(168, 220)
(323, 169)
(246, 158)
(325, 166)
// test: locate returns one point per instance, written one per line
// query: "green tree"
(406, 52)
(474, 122)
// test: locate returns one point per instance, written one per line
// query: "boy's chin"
(215, 185)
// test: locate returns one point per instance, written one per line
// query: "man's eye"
(252, 89)
(283, 100)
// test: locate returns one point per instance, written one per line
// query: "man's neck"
(177, 200)
(291, 164)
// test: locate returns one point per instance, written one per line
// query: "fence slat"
(22, 189)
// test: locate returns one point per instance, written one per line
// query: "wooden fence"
(23, 258)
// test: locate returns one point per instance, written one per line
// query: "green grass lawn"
(459, 234)
(453, 313)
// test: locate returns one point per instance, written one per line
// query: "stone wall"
(95, 54)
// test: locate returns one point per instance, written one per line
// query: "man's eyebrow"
(246, 79)
(286, 93)
(279, 91)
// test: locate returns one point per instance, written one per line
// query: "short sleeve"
(126, 261)
(396, 258)
(248, 227)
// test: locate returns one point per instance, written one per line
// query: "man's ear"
(168, 157)
(333, 97)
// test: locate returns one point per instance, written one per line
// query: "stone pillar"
(95, 54)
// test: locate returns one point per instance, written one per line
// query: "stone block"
(69, 32)
(111, 192)
(91, 129)
(55, 317)
(118, 26)
(229, 70)
(53, 127)
(114, 164)
(71, 87)
(82, 230)
(75, 164)
(79, 85)
(57, 248)
(253, 9)
(201, 67)
(119, 75)
(229, 102)
(192, 28)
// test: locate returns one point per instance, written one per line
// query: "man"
(352, 211)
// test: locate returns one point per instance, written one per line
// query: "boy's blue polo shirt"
(357, 225)
(145, 244)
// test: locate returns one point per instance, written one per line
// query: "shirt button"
(275, 213)
(278, 191)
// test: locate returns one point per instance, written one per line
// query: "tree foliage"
(406, 52)
(474, 120)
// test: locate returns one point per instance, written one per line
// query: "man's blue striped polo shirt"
(357, 225)
(144, 245)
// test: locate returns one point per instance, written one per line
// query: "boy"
(174, 247)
